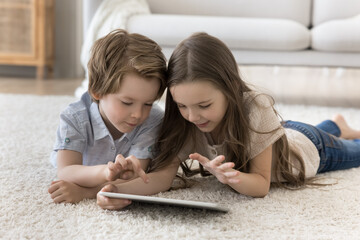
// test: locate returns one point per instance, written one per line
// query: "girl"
(235, 134)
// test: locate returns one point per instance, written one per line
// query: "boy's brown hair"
(120, 53)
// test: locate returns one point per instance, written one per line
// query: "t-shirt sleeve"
(265, 125)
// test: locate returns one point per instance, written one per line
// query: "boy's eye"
(205, 106)
(126, 103)
(148, 104)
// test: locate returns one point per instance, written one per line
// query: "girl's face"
(201, 103)
(130, 105)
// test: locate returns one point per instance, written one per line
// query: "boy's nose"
(137, 113)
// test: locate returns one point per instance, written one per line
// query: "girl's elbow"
(261, 192)
(262, 195)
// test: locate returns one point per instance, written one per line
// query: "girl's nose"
(193, 116)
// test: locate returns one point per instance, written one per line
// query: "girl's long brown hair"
(206, 58)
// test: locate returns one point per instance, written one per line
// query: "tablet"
(167, 201)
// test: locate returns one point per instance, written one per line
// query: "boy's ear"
(95, 96)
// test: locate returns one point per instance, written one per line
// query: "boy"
(113, 120)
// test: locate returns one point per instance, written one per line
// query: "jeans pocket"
(330, 141)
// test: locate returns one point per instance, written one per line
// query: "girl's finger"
(234, 180)
(232, 173)
(218, 160)
(227, 165)
(196, 156)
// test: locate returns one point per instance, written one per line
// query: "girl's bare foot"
(346, 131)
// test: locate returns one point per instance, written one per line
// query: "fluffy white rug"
(27, 130)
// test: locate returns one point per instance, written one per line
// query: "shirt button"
(112, 148)
(213, 151)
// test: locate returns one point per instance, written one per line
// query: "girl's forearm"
(85, 176)
(251, 184)
(159, 181)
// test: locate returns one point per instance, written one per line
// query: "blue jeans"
(335, 153)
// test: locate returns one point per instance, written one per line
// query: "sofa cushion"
(326, 10)
(297, 10)
(237, 33)
(337, 36)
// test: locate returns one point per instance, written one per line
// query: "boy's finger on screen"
(127, 175)
(143, 175)
(119, 158)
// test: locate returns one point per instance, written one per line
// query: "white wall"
(68, 40)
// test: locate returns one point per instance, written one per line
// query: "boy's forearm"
(85, 176)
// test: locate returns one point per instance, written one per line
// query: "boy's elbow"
(167, 185)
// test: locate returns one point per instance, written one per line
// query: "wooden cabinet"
(27, 34)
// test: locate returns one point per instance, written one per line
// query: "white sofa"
(275, 32)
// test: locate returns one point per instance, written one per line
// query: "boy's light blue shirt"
(83, 130)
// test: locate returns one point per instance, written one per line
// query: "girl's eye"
(204, 106)
(180, 106)
(148, 104)
(126, 103)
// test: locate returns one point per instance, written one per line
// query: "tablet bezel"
(167, 201)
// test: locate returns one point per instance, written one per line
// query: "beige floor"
(298, 85)
(39, 87)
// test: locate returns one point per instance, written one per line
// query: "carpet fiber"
(27, 132)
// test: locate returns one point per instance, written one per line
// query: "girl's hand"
(224, 172)
(111, 203)
(125, 168)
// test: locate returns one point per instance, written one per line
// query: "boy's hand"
(111, 203)
(66, 192)
(224, 172)
(125, 168)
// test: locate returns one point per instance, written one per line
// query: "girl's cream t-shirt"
(262, 118)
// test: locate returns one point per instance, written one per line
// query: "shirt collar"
(99, 128)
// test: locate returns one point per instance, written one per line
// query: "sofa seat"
(342, 35)
(237, 33)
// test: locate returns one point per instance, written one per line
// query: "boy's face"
(130, 105)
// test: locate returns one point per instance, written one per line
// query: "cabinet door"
(17, 25)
